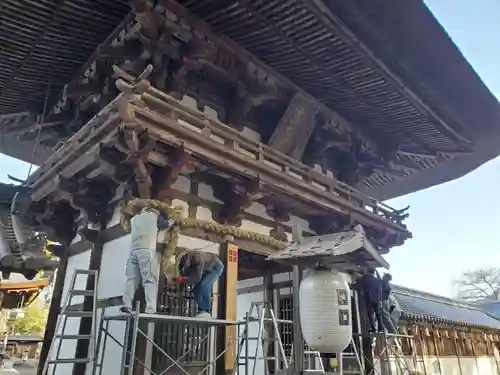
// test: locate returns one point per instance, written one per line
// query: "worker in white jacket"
(142, 265)
(394, 310)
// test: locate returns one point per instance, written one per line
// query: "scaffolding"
(390, 355)
(387, 350)
(133, 332)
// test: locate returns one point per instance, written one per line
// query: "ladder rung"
(75, 337)
(78, 314)
(77, 292)
(85, 272)
(263, 338)
(264, 358)
(70, 360)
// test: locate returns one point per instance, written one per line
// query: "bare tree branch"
(483, 283)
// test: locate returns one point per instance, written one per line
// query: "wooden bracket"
(237, 196)
(179, 162)
(280, 216)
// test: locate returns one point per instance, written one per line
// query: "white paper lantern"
(325, 311)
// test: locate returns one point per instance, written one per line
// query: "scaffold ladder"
(351, 362)
(62, 320)
(393, 352)
(263, 314)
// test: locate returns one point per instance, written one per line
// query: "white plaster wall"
(212, 113)
(114, 259)
(68, 347)
(76, 262)
(450, 366)
(244, 303)
(113, 352)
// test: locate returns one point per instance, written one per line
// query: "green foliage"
(33, 321)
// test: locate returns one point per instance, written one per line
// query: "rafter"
(295, 127)
(339, 28)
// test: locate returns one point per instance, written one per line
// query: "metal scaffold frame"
(390, 351)
(130, 340)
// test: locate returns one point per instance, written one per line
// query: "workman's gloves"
(179, 279)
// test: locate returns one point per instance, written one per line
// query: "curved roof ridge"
(433, 297)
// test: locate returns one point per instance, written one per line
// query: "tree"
(479, 284)
(32, 321)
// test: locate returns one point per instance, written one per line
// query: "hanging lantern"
(325, 311)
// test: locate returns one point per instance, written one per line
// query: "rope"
(172, 236)
(40, 125)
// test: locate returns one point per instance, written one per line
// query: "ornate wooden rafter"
(211, 143)
(216, 72)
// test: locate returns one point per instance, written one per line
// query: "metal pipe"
(298, 340)
(135, 330)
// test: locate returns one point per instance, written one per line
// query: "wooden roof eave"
(256, 161)
(483, 151)
(277, 173)
(25, 286)
(340, 28)
(431, 319)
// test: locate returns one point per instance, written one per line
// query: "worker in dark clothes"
(200, 269)
(386, 287)
(386, 305)
(372, 291)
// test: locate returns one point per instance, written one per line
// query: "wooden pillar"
(227, 307)
(54, 311)
(437, 340)
(471, 337)
(454, 335)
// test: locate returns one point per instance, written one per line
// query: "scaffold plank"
(173, 319)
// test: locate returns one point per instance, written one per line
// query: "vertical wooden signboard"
(231, 304)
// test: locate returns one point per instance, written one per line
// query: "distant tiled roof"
(493, 308)
(417, 305)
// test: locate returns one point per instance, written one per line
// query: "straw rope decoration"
(172, 236)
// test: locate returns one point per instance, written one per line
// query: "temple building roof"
(430, 308)
(367, 66)
(19, 292)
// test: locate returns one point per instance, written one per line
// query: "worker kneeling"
(201, 270)
(142, 265)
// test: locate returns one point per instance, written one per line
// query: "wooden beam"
(295, 127)
(227, 307)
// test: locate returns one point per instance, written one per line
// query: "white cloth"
(142, 268)
(144, 230)
(396, 309)
(142, 265)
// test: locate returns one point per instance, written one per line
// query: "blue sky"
(455, 225)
